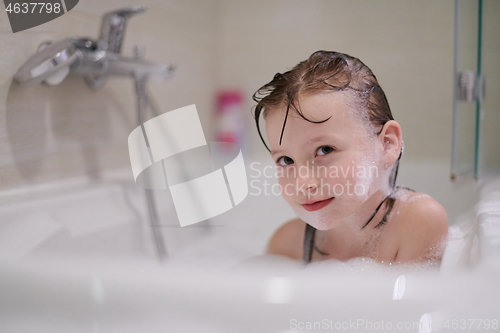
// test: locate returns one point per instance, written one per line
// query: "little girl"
(337, 150)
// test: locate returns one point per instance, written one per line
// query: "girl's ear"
(392, 140)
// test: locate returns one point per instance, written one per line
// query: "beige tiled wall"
(55, 133)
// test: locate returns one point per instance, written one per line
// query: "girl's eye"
(323, 150)
(284, 161)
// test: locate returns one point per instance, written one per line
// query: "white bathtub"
(79, 257)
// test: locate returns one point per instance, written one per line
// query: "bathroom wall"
(55, 133)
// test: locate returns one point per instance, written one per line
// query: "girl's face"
(327, 171)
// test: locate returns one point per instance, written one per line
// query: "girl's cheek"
(287, 187)
(283, 181)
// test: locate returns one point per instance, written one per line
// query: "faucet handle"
(128, 11)
(113, 28)
(139, 51)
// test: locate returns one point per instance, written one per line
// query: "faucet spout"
(113, 28)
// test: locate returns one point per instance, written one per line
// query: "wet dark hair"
(323, 71)
(326, 71)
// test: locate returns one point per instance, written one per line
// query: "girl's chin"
(325, 219)
(320, 222)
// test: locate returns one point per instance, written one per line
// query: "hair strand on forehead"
(323, 71)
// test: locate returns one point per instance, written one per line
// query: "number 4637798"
(33, 7)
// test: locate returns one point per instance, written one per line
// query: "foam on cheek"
(363, 179)
(367, 172)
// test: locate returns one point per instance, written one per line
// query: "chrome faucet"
(96, 61)
(113, 28)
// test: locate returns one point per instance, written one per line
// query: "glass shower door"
(476, 107)
(489, 156)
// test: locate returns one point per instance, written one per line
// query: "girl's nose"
(307, 182)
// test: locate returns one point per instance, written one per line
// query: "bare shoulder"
(287, 240)
(422, 228)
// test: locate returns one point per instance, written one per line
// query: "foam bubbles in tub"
(369, 267)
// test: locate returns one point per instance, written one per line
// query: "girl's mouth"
(317, 205)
